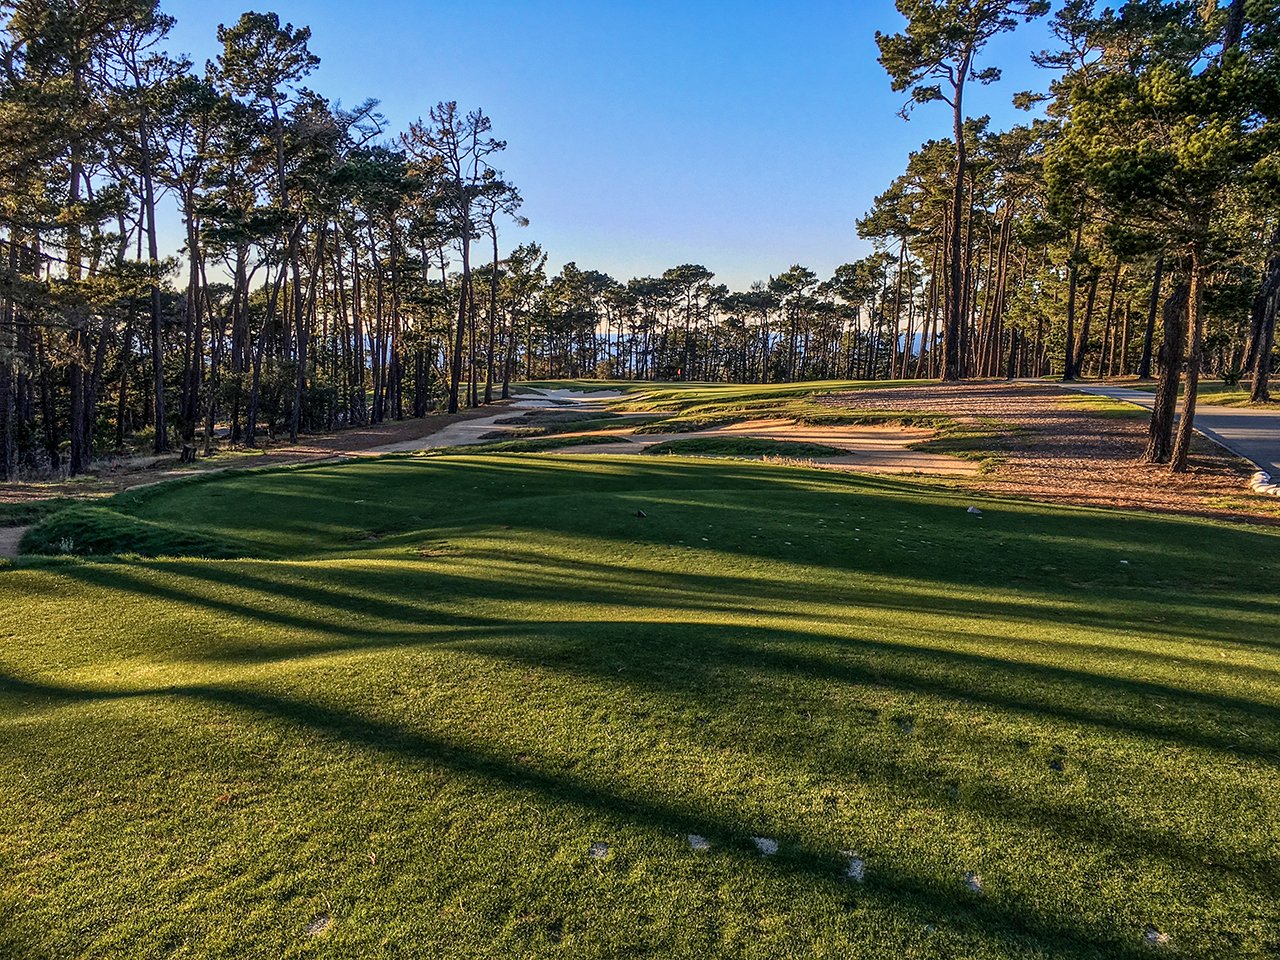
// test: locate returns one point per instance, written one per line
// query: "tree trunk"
(1195, 339)
(1144, 365)
(1091, 299)
(951, 369)
(157, 330)
(493, 313)
(455, 366)
(1160, 432)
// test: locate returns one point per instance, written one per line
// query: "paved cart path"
(1249, 433)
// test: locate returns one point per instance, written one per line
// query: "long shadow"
(373, 594)
(1012, 922)
(1063, 819)
(412, 483)
(119, 577)
(1197, 618)
(1252, 718)
(950, 674)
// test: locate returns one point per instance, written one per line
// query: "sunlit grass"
(1214, 392)
(432, 683)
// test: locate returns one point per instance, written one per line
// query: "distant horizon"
(638, 146)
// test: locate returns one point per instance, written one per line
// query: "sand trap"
(874, 448)
(878, 448)
(470, 432)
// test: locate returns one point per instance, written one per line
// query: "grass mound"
(746, 447)
(26, 512)
(84, 530)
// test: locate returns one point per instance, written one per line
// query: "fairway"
(460, 706)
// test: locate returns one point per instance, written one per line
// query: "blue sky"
(744, 136)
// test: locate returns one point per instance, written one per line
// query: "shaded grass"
(448, 676)
(85, 530)
(24, 512)
(746, 447)
(533, 444)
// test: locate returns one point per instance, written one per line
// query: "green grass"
(1212, 391)
(746, 447)
(1103, 407)
(536, 423)
(86, 530)
(432, 683)
(534, 444)
(24, 512)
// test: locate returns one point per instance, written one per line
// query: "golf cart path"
(878, 449)
(1249, 433)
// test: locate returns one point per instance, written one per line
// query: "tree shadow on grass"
(837, 649)
(1008, 921)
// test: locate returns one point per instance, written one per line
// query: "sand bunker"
(877, 448)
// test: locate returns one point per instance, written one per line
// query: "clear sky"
(745, 136)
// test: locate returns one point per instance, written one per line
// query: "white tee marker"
(766, 846)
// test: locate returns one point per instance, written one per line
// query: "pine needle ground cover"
(530, 705)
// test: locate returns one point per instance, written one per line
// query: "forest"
(334, 272)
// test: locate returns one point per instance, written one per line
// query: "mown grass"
(402, 720)
(535, 444)
(746, 447)
(90, 530)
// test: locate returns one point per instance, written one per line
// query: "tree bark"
(1195, 340)
(951, 361)
(1160, 432)
(1144, 365)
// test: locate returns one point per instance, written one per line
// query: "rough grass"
(539, 423)
(400, 730)
(695, 407)
(746, 447)
(1103, 407)
(1217, 393)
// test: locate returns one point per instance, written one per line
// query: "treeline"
(682, 325)
(335, 273)
(1133, 228)
(326, 274)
